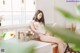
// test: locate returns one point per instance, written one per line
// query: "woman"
(37, 27)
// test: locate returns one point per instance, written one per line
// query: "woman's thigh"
(50, 39)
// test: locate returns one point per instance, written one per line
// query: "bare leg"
(61, 44)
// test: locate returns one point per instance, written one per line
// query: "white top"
(39, 27)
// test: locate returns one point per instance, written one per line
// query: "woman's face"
(39, 16)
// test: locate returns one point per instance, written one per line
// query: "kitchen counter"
(13, 26)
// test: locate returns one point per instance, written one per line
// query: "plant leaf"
(68, 15)
(66, 34)
(16, 47)
(3, 35)
(78, 8)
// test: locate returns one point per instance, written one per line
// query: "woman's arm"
(33, 28)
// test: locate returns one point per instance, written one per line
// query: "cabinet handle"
(22, 1)
(3, 2)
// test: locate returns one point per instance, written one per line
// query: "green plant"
(67, 35)
(3, 35)
(16, 47)
(68, 15)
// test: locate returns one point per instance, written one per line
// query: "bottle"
(29, 35)
(73, 27)
(19, 35)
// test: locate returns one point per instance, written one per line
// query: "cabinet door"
(1, 5)
(16, 5)
(30, 5)
(16, 18)
(5, 6)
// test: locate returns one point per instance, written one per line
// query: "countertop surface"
(15, 46)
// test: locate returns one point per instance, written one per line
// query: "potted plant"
(69, 36)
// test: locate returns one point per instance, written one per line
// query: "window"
(16, 11)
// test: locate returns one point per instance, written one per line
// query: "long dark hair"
(42, 18)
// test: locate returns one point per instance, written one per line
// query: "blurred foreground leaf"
(68, 15)
(16, 47)
(67, 35)
(78, 8)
